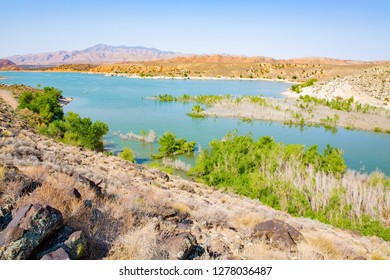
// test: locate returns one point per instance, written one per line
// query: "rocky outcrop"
(180, 247)
(278, 234)
(73, 243)
(30, 225)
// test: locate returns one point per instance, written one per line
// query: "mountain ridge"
(97, 54)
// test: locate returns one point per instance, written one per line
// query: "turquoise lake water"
(120, 102)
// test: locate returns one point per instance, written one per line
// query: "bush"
(170, 146)
(127, 154)
(78, 131)
(45, 103)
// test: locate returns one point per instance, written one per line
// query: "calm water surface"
(120, 102)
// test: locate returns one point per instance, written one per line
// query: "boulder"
(30, 225)
(74, 243)
(77, 245)
(278, 233)
(179, 247)
(59, 254)
(53, 243)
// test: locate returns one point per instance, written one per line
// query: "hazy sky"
(280, 29)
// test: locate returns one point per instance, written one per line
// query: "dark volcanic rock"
(53, 243)
(74, 243)
(30, 225)
(278, 233)
(75, 193)
(27, 185)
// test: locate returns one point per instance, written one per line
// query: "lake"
(122, 103)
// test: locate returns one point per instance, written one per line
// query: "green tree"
(169, 146)
(45, 103)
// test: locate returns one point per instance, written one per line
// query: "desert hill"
(73, 203)
(6, 64)
(222, 66)
(370, 86)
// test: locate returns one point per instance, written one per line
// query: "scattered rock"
(361, 258)
(185, 225)
(168, 213)
(187, 188)
(278, 233)
(88, 203)
(216, 248)
(59, 254)
(30, 225)
(75, 193)
(77, 245)
(179, 247)
(94, 186)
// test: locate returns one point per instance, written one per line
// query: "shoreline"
(160, 77)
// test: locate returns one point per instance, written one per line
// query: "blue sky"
(280, 29)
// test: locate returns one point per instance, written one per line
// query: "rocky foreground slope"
(63, 202)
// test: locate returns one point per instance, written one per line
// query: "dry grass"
(2, 172)
(138, 244)
(181, 208)
(37, 173)
(11, 192)
(377, 256)
(261, 251)
(320, 247)
(247, 221)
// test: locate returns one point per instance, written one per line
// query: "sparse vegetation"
(298, 87)
(301, 181)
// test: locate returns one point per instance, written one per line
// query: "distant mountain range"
(105, 54)
(98, 54)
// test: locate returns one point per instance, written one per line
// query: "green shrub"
(170, 145)
(45, 103)
(127, 154)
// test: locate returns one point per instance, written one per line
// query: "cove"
(122, 103)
